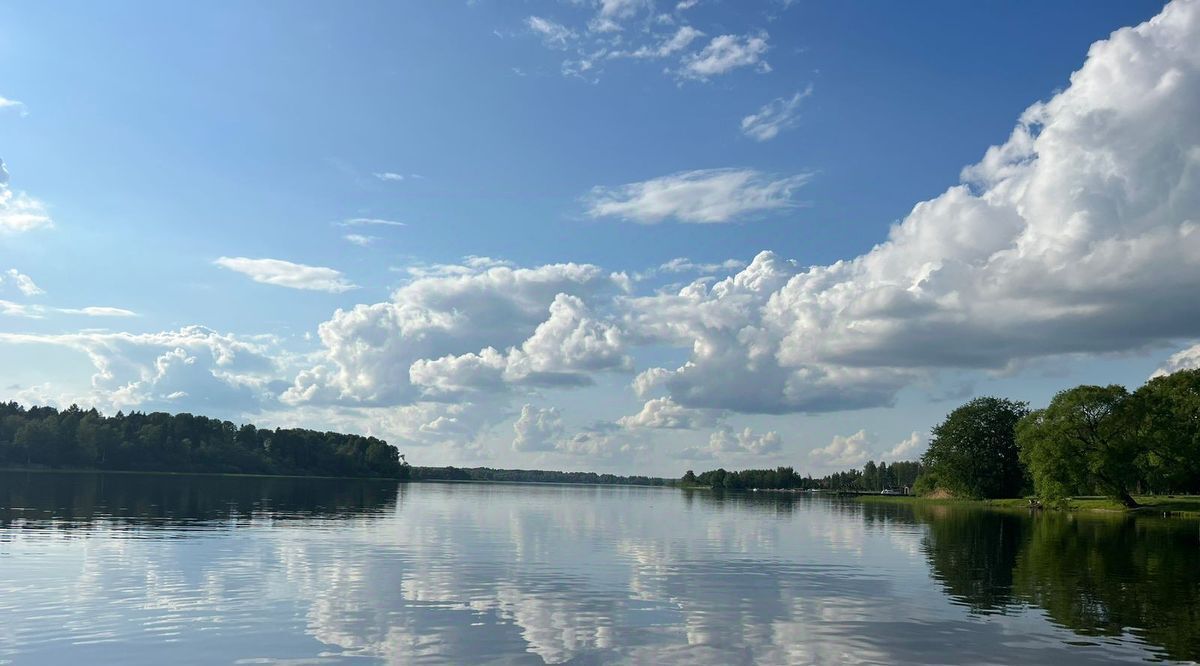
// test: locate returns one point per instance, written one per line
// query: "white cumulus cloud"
(444, 330)
(910, 448)
(844, 451)
(1184, 359)
(725, 442)
(666, 413)
(537, 429)
(223, 373)
(562, 351)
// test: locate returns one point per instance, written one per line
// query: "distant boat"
(890, 491)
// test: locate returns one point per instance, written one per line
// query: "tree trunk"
(1128, 500)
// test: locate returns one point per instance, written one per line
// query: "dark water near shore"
(143, 569)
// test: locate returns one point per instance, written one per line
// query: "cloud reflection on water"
(472, 573)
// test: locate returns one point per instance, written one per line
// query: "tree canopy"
(1165, 414)
(1084, 439)
(973, 453)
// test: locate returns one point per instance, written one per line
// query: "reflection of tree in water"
(740, 500)
(1095, 575)
(39, 500)
(1107, 576)
(972, 554)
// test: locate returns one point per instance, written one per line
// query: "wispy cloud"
(388, 176)
(667, 47)
(703, 196)
(370, 221)
(640, 30)
(554, 35)
(99, 311)
(23, 283)
(726, 53)
(360, 240)
(685, 265)
(774, 117)
(19, 212)
(30, 311)
(11, 309)
(288, 274)
(6, 103)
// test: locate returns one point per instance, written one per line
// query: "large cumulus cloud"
(1079, 234)
(219, 373)
(445, 327)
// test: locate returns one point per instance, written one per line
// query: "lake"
(147, 569)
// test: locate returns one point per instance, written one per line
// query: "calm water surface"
(142, 569)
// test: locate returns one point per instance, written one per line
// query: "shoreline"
(1179, 506)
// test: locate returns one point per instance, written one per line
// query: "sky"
(615, 235)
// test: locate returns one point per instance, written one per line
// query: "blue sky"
(453, 225)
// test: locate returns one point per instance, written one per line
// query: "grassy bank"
(1179, 505)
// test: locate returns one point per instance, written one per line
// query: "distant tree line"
(871, 478)
(529, 476)
(900, 475)
(1090, 440)
(77, 438)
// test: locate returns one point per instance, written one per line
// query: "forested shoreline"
(1089, 441)
(75, 438)
(873, 477)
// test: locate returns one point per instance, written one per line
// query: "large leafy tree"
(1084, 441)
(973, 453)
(1166, 413)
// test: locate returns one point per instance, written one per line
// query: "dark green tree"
(870, 477)
(974, 453)
(1166, 415)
